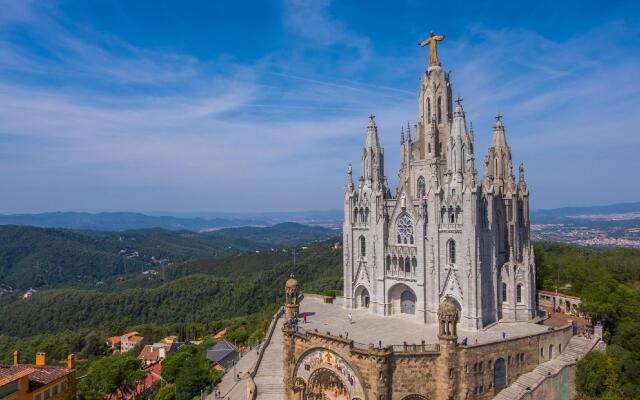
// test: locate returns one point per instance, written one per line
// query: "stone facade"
(322, 365)
(445, 248)
(443, 232)
(559, 302)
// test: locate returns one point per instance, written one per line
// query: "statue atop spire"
(432, 42)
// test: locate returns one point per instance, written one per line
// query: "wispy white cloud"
(156, 121)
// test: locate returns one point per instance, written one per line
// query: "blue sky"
(259, 106)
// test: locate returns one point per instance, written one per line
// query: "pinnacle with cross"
(498, 117)
(459, 101)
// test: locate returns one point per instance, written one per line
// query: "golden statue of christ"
(432, 42)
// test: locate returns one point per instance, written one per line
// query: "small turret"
(448, 317)
(292, 298)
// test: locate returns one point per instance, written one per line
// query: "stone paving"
(269, 376)
(394, 330)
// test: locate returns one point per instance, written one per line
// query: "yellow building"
(37, 381)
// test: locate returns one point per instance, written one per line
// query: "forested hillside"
(213, 290)
(608, 282)
(38, 257)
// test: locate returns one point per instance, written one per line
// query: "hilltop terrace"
(397, 330)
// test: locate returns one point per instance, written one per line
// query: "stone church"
(444, 232)
(439, 278)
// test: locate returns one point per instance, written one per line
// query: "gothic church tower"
(442, 235)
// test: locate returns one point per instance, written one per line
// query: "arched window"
(458, 215)
(363, 246)
(366, 214)
(388, 263)
(421, 187)
(504, 292)
(499, 373)
(428, 110)
(407, 265)
(443, 212)
(429, 148)
(451, 248)
(439, 109)
(519, 293)
(362, 215)
(355, 214)
(495, 167)
(484, 213)
(550, 351)
(404, 226)
(454, 165)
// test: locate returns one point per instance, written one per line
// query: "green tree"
(595, 375)
(167, 392)
(109, 375)
(192, 378)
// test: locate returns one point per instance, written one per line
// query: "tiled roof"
(38, 374)
(136, 338)
(149, 353)
(114, 340)
(11, 373)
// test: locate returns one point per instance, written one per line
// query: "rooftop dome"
(291, 282)
(447, 307)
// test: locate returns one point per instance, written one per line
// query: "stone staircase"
(269, 376)
(576, 349)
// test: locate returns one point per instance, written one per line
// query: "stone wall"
(520, 355)
(430, 371)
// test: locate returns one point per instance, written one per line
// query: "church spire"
(373, 156)
(349, 178)
(401, 135)
(498, 165)
(372, 134)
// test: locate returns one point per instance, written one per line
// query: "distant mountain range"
(121, 221)
(571, 214)
(35, 257)
(202, 222)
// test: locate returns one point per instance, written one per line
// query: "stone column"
(383, 384)
(288, 360)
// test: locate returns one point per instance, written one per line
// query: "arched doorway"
(362, 297)
(325, 384)
(408, 302)
(499, 373)
(402, 299)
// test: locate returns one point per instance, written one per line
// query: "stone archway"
(414, 397)
(402, 299)
(362, 297)
(325, 384)
(324, 375)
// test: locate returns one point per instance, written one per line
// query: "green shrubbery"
(608, 282)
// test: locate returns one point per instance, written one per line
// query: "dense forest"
(193, 298)
(45, 257)
(242, 290)
(608, 281)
